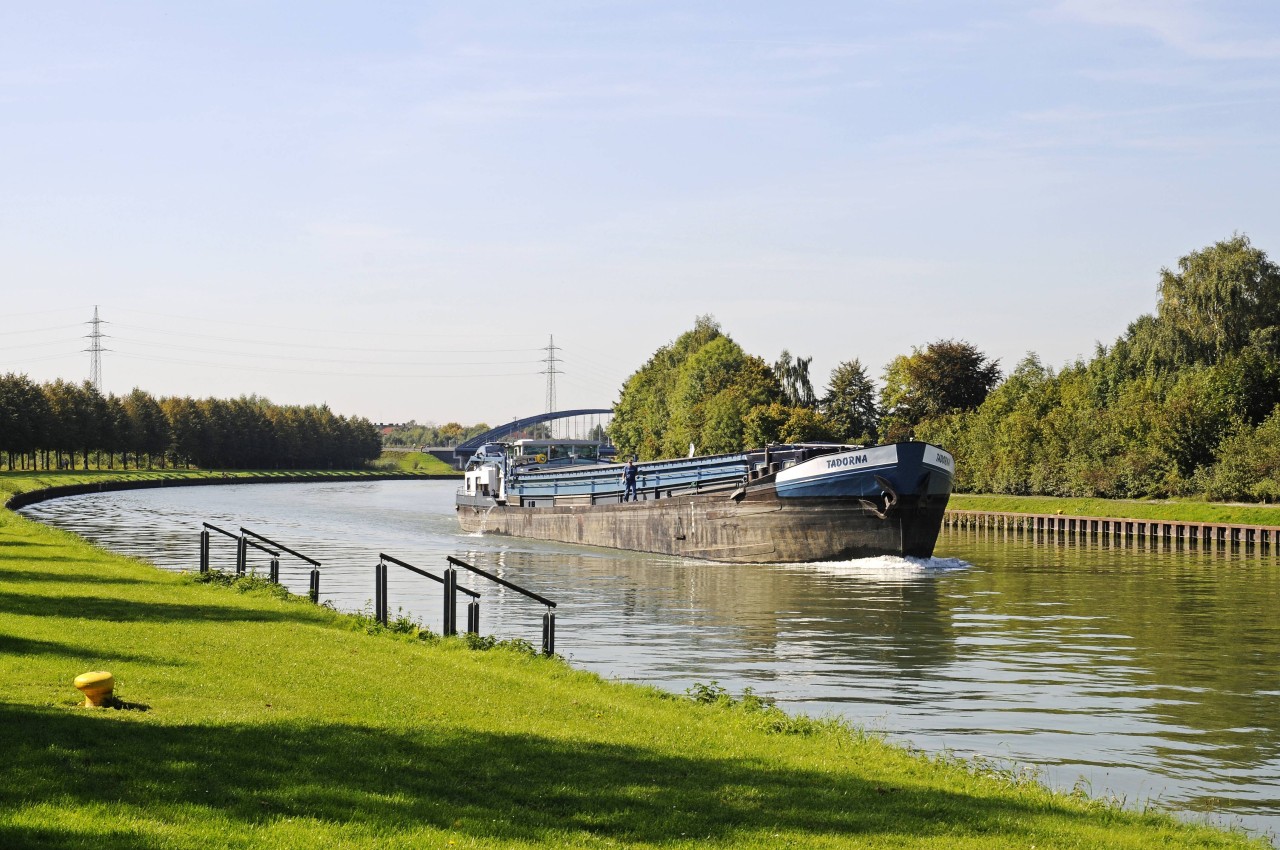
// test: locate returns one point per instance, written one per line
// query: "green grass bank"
(1174, 511)
(17, 487)
(419, 462)
(256, 720)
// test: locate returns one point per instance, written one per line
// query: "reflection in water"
(1149, 672)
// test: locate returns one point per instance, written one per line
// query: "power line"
(64, 356)
(35, 313)
(320, 374)
(280, 327)
(320, 346)
(44, 344)
(311, 359)
(235, 351)
(51, 328)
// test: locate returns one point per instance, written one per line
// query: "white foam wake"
(885, 566)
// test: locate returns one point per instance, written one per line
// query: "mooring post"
(473, 618)
(314, 593)
(204, 550)
(450, 626)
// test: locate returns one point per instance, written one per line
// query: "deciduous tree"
(944, 377)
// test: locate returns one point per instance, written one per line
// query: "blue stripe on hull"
(910, 471)
(859, 483)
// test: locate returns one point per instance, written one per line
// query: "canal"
(1150, 674)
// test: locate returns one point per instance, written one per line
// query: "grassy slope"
(417, 462)
(275, 723)
(1121, 508)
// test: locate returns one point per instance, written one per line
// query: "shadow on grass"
(490, 785)
(129, 610)
(17, 646)
(51, 555)
(16, 576)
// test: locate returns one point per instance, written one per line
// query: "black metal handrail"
(213, 527)
(502, 581)
(245, 542)
(312, 561)
(422, 572)
(548, 618)
(451, 587)
(273, 553)
(204, 544)
(273, 572)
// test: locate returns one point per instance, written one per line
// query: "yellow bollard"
(96, 687)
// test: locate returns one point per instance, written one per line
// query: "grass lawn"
(1177, 511)
(254, 720)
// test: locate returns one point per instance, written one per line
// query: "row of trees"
(61, 425)
(704, 390)
(1185, 403)
(413, 435)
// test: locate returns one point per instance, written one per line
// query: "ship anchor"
(890, 499)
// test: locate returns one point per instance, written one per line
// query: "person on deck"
(629, 480)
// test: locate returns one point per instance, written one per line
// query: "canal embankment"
(20, 489)
(1204, 525)
(1119, 530)
(358, 736)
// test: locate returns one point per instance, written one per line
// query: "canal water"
(1150, 674)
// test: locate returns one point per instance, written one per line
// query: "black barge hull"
(756, 527)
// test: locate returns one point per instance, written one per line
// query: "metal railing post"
(473, 618)
(380, 593)
(548, 619)
(242, 555)
(275, 571)
(450, 602)
(245, 534)
(549, 633)
(451, 590)
(205, 556)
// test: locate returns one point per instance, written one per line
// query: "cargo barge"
(780, 504)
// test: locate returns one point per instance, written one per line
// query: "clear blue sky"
(356, 203)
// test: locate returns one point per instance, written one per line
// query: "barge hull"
(760, 528)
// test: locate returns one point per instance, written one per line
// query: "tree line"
(1185, 403)
(59, 425)
(413, 434)
(703, 390)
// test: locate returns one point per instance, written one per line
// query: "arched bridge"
(467, 449)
